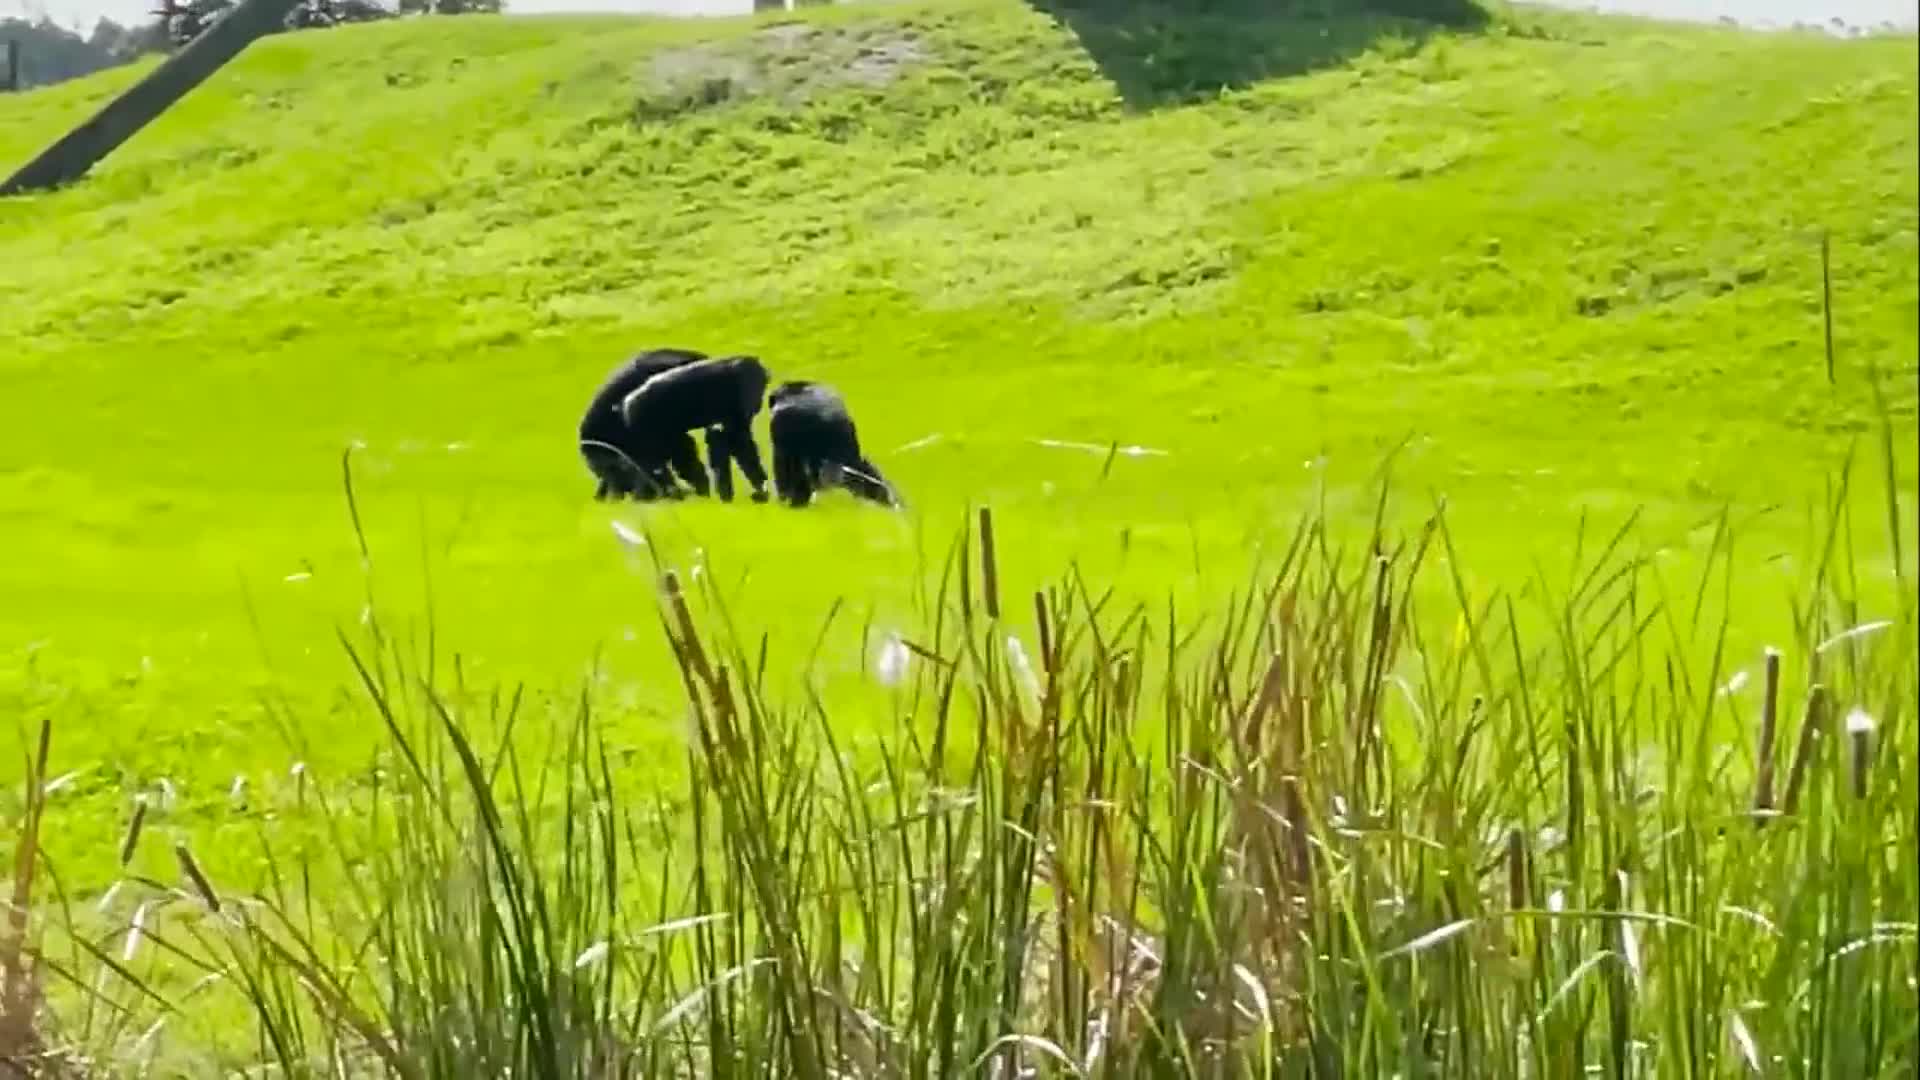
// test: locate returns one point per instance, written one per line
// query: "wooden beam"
(140, 104)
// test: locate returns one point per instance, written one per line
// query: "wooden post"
(13, 64)
(122, 118)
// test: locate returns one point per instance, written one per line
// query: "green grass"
(1308, 839)
(1568, 266)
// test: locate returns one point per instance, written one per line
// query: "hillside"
(1365, 817)
(1572, 264)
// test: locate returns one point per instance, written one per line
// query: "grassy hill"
(1560, 270)
(1571, 265)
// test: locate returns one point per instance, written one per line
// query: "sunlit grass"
(1301, 834)
(1560, 276)
(432, 241)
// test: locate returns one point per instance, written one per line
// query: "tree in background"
(51, 53)
(182, 22)
(124, 43)
(317, 14)
(185, 19)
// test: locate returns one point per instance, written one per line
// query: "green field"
(1559, 269)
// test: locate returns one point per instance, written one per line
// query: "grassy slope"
(434, 239)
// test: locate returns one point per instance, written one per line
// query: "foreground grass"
(1569, 267)
(1300, 835)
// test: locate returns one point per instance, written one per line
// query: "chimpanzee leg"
(608, 469)
(790, 476)
(719, 460)
(806, 474)
(686, 462)
(782, 472)
(863, 479)
(633, 485)
(647, 485)
(646, 477)
(739, 437)
(800, 485)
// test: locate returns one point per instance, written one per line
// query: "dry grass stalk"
(688, 639)
(1518, 871)
(201, 886)
(1042, 628)
(1769, 718)
(131, 841)
(1860, 760)
(20, 991)
(989, 568)
(1808, 746)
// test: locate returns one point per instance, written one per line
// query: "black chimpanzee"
(721, 395)
(614, 450)
(815, 445)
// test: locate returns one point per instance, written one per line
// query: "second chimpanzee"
(612, 448)
(721, 395)
(815, 445)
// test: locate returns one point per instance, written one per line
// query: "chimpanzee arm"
(739, 436)
(719, 459)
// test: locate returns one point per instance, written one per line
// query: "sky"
(1904, 13)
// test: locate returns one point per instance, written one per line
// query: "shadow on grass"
(1173, 52)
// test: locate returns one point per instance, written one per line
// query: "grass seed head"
(191, 869)
(131, 840)
(1860, 736)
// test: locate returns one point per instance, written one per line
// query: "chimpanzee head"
(751, 377)
(792, 388)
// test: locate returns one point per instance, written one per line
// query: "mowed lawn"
(1569, 268)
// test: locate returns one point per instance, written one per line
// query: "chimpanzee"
(815, 445)
(613, 450)
(721, 395)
